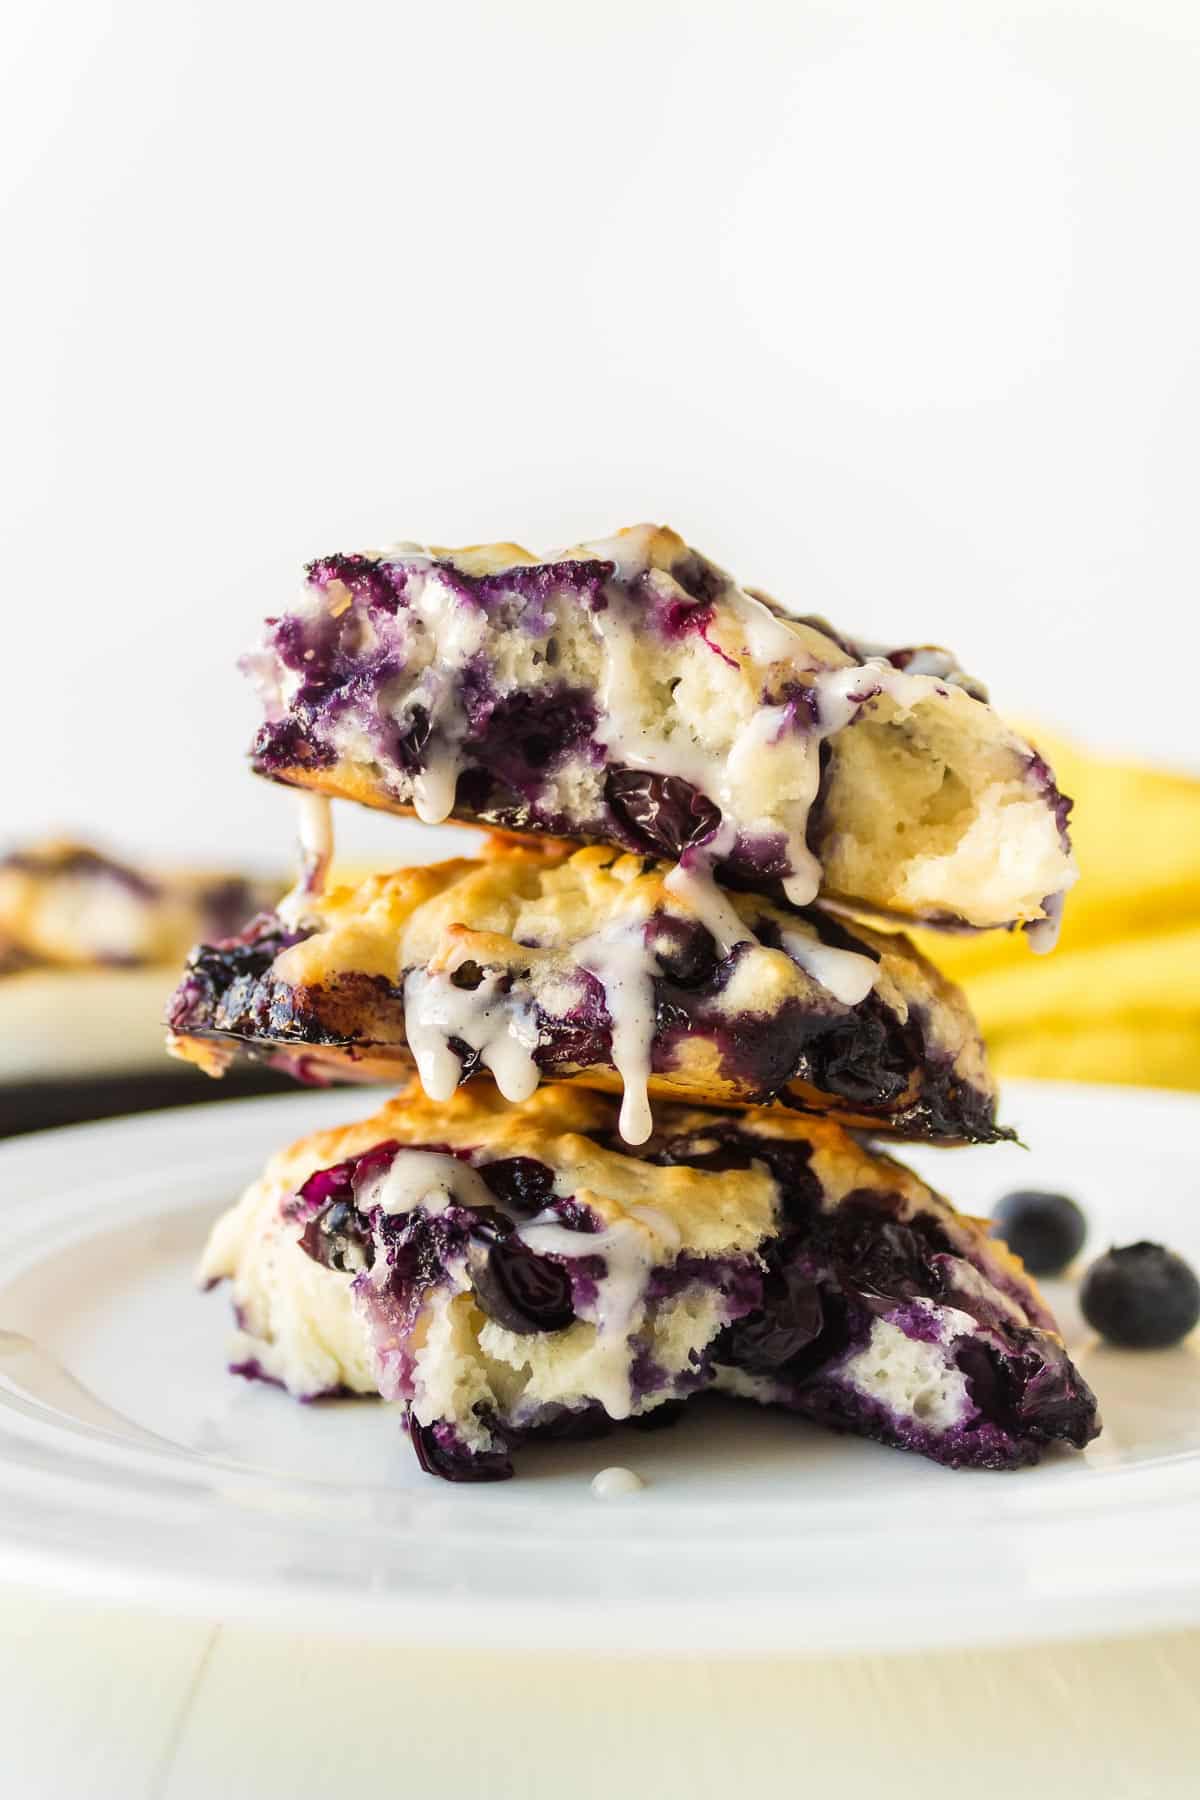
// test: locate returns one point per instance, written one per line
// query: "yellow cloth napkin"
(1119, 1000)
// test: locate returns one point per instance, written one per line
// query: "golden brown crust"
(714, 1212)
(556, 1128)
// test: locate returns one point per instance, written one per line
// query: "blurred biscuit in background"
(90, 948)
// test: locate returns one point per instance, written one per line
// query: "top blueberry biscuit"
(629, 692)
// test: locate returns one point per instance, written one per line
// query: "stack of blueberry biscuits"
(642, 1038)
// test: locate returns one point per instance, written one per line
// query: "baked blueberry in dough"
(540, 963)
(506, 1271)
(630, 693)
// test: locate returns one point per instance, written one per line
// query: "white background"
(891, 308)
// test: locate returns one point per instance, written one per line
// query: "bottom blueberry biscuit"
(506, 1272)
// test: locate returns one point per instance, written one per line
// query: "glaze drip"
(625, 966)
(315, 840)
(843, 973)
(425, 1178)
(496, 1023)
(630, 1248)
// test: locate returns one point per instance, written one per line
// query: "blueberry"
(522, 737)
(868, 1057)
(521, 1184)
(662, 814)
(878, 1258)
(468, 976)
(687, 953)
(339, 1238)
(1141, 1297)
(348, 1238)
(1030, 1388)
(441, 1452)
(790, 1319)
(1044, 1230)
(521, 1291)
(407, 738)
(717, 1151)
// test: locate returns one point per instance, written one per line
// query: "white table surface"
(98, 1704)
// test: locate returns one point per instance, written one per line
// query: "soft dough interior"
(926, 821)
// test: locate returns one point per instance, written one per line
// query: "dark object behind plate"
(37, 1105)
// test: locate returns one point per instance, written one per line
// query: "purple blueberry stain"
(250, 1369)
(442, 1452)
(1042, 777)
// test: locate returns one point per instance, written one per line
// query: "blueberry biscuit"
(537, 963)
(507, 1271)
(88, 948)
(67, 905)
(629, 692)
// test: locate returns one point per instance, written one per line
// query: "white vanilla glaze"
(449, 632)
(734, 781)
(435, 786)
(1042, 934)
(767, 637)
(427, 1178)
(616, 1483)
(664, 1228)
(931, 661)
(631, 1247)
(315, 839)
(692, 882)
(839, 695)
(500, 1026)
(845, 974)
(625, 966)
(924, 659)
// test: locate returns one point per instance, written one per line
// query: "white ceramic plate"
(133, 1467)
